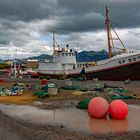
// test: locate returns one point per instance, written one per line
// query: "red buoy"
(98, 107)
(118, 109)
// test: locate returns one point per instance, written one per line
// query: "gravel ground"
(12, 129)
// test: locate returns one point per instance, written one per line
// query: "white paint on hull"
(116, 61)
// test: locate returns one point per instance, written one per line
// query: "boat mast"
(108, 33)
(110, 38)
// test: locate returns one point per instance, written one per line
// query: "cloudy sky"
(26, 26)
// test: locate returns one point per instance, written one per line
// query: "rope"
(125, 29)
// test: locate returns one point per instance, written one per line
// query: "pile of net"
(16, 90)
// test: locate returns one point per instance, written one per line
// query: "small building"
(9, 62)
(32, 63)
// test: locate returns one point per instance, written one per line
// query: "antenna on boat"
(53, 41)
(109, 35)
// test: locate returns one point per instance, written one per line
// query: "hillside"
(87, 56)
(84, 56)
(42, 56)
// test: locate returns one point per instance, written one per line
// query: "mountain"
(42, 56)
(84, 56)
(88, 56)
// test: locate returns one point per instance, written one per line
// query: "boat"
(122, 65)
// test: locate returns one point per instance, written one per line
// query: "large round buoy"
(118, 109)
(98, 107)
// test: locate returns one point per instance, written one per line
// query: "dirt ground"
(16, 129)
(13, 129)
(65, 98)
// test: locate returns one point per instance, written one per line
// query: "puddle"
(75, 119)
(48, 105)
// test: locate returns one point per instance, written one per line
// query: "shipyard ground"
(11, 128)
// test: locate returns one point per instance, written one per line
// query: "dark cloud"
(11, 32)
(89, 15)
(22, 21)
(3, 41)
(71, 15)
(25, 10)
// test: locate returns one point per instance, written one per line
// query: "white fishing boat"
(122, 66)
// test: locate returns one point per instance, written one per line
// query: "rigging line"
(118, 37)
(125, 29)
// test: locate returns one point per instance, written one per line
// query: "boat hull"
(131, 71)
(118, 73)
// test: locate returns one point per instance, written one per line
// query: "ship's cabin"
(64, 51)
(64, 55)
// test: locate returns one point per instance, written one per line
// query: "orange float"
(98, 107)
(118, 109)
